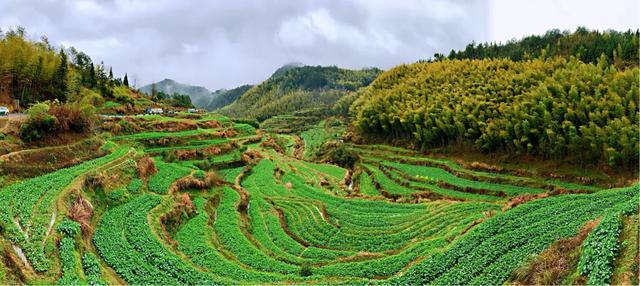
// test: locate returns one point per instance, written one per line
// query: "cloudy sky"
(222, 44)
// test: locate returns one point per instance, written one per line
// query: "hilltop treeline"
(553, 108)
(619, 48)
(34, 71)
(299, 88)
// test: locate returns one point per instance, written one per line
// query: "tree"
(126, 80)
(91, 77)
(154, 90)
(60, 79)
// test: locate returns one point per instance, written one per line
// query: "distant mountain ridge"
(294, 87)
(223, 97)
(200, 96)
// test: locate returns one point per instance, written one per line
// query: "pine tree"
(126, 80)
(92, 76)
(60, 79)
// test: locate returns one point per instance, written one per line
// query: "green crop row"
(366, 185)
(158, 135)
(492, 250)
(230, 174)
(442, 175)
(70, 265)
(227, 227)
(394, 154)
(194, 240)
(126, 243)
(306, 222)
(600, 249)
(167, 174)
(69, 260)
(386, 183)
(198, 144)
(420, 184)
(92, 271)
(26, 207)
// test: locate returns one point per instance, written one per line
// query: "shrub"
(91, 97)
(118, 196)
(76, 117)
(69, 228)
(305, 270)
(251, 122)
(342, 156)
(39, 124)
(46, 118)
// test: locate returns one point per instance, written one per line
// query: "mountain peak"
(200, 96)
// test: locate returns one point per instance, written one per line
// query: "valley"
(466, 170)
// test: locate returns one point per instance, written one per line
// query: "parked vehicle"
(154, 110)
(4, 111)
(192, 110)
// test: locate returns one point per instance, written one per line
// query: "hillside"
(298, 88)
(553, 108)
(201, 199)
(35, 71)
(224, 97)
(199, 95)
(487, 171)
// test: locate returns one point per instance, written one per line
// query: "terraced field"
(225, 205)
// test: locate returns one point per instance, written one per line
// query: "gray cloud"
(227, 43)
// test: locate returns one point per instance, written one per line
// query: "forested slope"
(553, 108)
(35, 71)
(620, 48)
(299, 88)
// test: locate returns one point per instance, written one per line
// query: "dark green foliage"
(175, 99)
(69, 228)
(299, 88)
(342, 156)
(60, 78)
(180, 100)
(619, 48)
(118, 196)
(305, 270)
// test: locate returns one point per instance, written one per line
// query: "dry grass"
(94, 182)
(522, 199)
(251, 157)
(146, 167)
(170, 222)
(555, 263)
(210, 180)
(81, 211)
